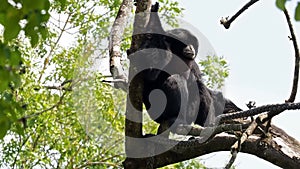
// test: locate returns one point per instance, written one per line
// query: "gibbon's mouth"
(189, 54)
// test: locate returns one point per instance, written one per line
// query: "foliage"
(48, 87)
(56, 112)
(191, 164)
(169, 11)
(281, 5)
(215, 70)
(18, 18)
(297, 12)
(27, 16)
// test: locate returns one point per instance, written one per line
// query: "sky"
(260, 57)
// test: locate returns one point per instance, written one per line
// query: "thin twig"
(58, 88)
(232, 159)
(227, 22)
(249, 131)
(47, 60)
(111, 147)
(70, 163)
(43, 111)
(19, 149)
(297, 58)
(62, 85)
(115, 81)
(236, 147)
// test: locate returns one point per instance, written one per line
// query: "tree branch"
(226, 23)
(43, 111)
(58, 88)
(273, 109)
(279, 148)
(297, 58)
(47, 59)
(208, 132)
(236, 147)
(115, 39)
(133, 121)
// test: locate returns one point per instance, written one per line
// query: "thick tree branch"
(297, 58)
(116, 35)
(276, 147)
(227, 22)
(133, 121)
(279, 148)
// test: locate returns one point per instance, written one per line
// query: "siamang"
(173, 92)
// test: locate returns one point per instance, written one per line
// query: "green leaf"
(15, 57)
(297, 12)
(37, 4)
(177, 10)
(4, 82)
(31, 32)
(11, 32)
(34, 39)
(8, 97)
(62, 3)
(46, 5)
(2, 18)
(11, 24)
(281, 4)
(20, 129)
(16, 79)
(4, 5)
(45, 17)
(5, 54)
(44, 32)
(5, 125)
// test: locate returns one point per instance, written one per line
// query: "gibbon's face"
(183, 43)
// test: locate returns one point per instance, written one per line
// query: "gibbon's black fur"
(173, 91)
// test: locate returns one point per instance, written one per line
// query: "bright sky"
(260, 56)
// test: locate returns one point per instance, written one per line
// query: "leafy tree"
(56, 109)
